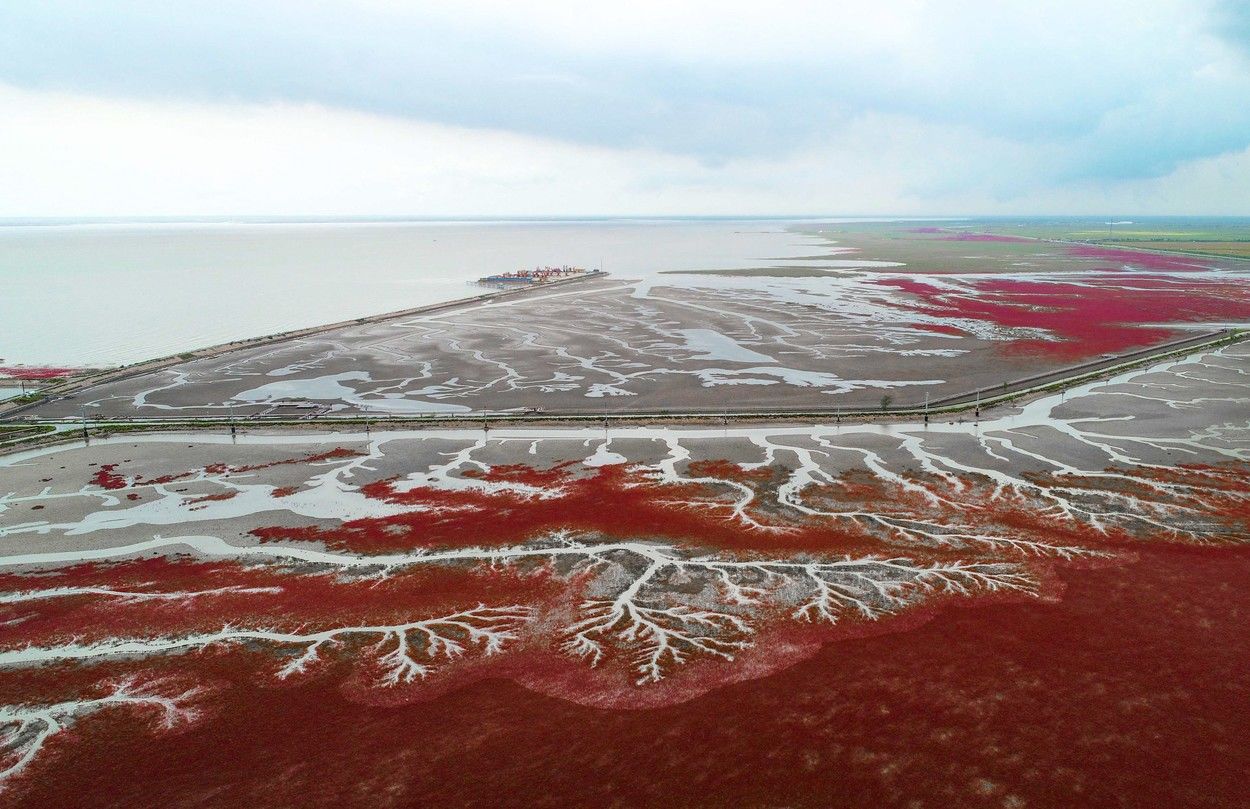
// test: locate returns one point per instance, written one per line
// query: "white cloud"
(706, 31)
(78, 155)
(1212, 186)
(1062, 91)
(81, 155)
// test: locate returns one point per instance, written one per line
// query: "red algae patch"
(611, 502)
(1128, 691)
(1138, 259)
(938, 328)
(106, 478)
(216, 497)
(157, 596)
(337, 453)
(1098, 314)
(987, 237)
(35, 372)
(813, 650)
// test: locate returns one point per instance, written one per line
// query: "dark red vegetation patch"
(987, 237)
(524, 474)
(217, 594)
(108, 477)
(1138, 259)
(1123, 686)
(201, 501)
(612, 501)
(337, 453)
(1098, 314)
(34, 372)
(621, 503)
(1129, 691)
(938, 328)
(728, 470)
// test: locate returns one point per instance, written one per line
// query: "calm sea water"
(118, 293)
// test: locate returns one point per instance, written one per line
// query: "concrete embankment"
(1080, 369)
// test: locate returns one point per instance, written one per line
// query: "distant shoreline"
(86, 221)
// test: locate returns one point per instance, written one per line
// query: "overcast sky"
(380, 107)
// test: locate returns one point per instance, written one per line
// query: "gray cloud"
(1117, 96)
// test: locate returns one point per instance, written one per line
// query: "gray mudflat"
(685, 343)
(1190, 411)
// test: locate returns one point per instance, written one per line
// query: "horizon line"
(275, 219)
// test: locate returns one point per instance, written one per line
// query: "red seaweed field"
(1130, 690)
(35, 372)
(1045, 606)
(560, 635)
(1077, 319)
